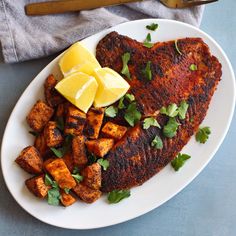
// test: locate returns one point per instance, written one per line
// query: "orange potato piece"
(66, 199)
(75, 120)
(92, 176)
(94, 122)
(40, 144)
(37, 186)
(114, 131)
(87, 194)
(79, 151)
(39, 115)
(52, 134)
(30, 160)
(61, 174)
(67, 158)
(100, 147)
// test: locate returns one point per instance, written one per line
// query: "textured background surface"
(206, 207)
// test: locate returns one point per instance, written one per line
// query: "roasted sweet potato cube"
(94, 122)
(67, 158)
(53, 98)
(87, 194)
(37, 186)
(30, 160)
(114, 131)
(66, 199)
(100, 147)
(92, 176)
(61, 174)
(39, 115)
(47, 161)
(52, 134)
(40, 144)
(75, 120)
(79, 151)
(61, 110)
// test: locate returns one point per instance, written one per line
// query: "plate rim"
(147, 209)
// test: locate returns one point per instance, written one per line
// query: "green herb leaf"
(157, 142)
(55, 185)
(78, 177)
(132, 115)
(193, 67)
(150, 121)
(191, 119)
(152, 26)
(147, 71)
(202, 134)
(117, 195)
(58, 152)
(177, 48)
(53, 197)
(111, 111)
(47, 179)
(125, 69)
(103, 163)
(171, 110)
(179, 161)
(60, 123)
(75, 170)
(130, 97)
(170, 129)
(182, 110)
(147, 42)
(67, 190)
(121, 104)
(36, 134)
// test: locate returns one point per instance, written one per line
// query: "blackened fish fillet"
(133, 160)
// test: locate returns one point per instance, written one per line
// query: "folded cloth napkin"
(27, 37)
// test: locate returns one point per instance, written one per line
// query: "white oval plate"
(158, 189)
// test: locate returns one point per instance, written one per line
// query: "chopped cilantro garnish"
(152, 26)
(117, 195)
(157, 142)
(77, 177)
(103, 163)
(132, 115)
(147, 71)
(193, 67)
(147, 42)
(125, 69)
(111, 111)
(150, 121)
(182, 110)
(179, 161)
(130, 97)
(34, 133)
(121, 104)
(177, 48)
(202, 134)
(67, 190)
(60, 123)
(170, 129)
(53, 196)
(171, 110)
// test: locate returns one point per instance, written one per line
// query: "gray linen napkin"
(26, 37)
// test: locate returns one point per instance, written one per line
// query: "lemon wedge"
(111, 87)
(77, 58)
(78, 88)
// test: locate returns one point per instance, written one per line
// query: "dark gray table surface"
(206, 207)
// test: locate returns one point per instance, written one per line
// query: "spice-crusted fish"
(133, 160)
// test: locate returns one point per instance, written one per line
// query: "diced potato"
(94, 122)
(114, 131)
(100, 147)
(39, 115)
(87, 194)
(30, 160)
(47, 162)
(79, 151)
(75, 120)
(40, 144)
(66, 199)
(67, 158)
(37, 186)
(61, 174)
(53, 98)
(52, 134)
(92, 176)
